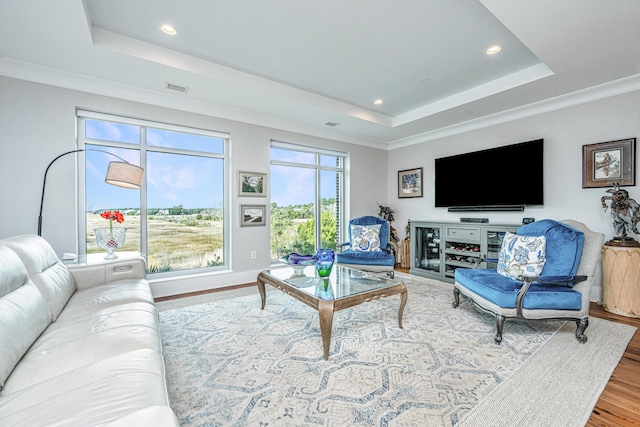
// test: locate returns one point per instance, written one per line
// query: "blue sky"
(172, 179)
(190, 181)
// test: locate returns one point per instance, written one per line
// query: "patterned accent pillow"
(521, 255)
(365, 238)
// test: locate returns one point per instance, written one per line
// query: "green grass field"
(176, 242)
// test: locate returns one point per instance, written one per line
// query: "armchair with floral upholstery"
(368, 248)
(545, 271)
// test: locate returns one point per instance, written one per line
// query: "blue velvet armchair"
(561, 290)
(368, 247)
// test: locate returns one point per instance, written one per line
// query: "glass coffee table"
(344, 288)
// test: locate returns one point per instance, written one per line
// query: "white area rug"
(229, 363)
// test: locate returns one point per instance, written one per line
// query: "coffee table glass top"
(342, 283)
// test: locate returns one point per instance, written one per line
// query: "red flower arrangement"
(111, 215)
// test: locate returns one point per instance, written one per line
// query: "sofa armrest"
(90, 275)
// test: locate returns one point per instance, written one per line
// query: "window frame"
(342, 187)
(143, 148)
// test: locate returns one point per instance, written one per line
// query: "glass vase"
(110, 240)
(324, 261)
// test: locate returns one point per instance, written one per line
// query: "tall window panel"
(177, 219)
(307, 190)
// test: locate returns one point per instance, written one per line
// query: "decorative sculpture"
(625, 213)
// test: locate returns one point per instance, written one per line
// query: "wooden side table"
(406, 253)
(621, 280)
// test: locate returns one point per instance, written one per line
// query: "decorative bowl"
(298, 262)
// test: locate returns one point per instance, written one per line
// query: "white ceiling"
(297, 65)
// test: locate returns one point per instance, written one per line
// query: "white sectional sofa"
(79, 346)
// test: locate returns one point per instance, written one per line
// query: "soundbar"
(486, 209)
(475, 220)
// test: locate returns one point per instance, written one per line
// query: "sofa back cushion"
(24, 312)
(563, 249)
(45, 269)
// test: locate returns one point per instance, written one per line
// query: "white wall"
(564, 131)
(38, 122)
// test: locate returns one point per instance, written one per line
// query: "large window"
(307, 191)
(176, 220)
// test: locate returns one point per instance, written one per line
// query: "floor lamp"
(121, 174)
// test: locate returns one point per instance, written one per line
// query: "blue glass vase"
(324, 261)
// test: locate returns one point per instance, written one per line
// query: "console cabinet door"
(426, 254)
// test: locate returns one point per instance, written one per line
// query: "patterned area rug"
(229, 363)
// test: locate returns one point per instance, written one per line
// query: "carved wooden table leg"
(403, 302)
(263, 295)
(325, 310)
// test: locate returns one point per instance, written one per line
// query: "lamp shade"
(124, 175)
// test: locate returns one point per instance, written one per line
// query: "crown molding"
(583, 96)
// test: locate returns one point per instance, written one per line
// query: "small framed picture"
(251, 215)
(410, 183)
(252, 184)
(606, 163)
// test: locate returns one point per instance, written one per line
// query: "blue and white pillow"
(365, 238)
(522, 256)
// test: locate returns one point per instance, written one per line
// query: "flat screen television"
(499, 178)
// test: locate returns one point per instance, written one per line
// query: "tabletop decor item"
(324, 261)
(625, 213)
(298, 262)
(111, 239)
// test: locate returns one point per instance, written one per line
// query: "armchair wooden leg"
(456, 297)
(499, 325)
(581, 326)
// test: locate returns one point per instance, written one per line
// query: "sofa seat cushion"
(366, 258)
(503, 291)
(91, 395)
(89, 300)
(65, 347)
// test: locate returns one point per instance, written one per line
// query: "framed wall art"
(251, 215)
(605, 163)
(410, 183)
(252, 184)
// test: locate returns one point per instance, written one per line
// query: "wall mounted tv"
(499, 179)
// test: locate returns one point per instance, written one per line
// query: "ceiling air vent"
(177, 88)
(332, 124)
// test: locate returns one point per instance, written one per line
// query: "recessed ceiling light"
(378, 102)
(493, 50)
(169, 29)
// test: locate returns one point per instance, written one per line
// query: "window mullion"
(144, 243)
(318, 217)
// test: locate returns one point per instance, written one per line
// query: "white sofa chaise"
(79, 346)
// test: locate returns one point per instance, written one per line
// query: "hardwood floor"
(619, 403)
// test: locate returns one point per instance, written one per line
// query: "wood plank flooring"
(619, 404)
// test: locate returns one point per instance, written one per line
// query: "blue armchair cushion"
(521, 256)
(365, 238)
(372, 220)
(366, 258)
(503, 291)
(563, 249)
